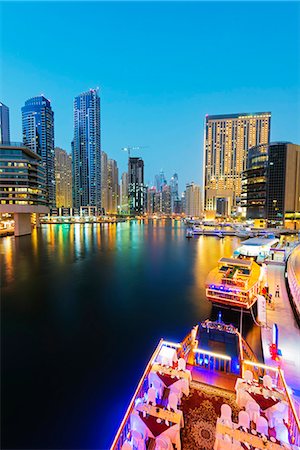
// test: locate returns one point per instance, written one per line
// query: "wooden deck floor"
(218, 379)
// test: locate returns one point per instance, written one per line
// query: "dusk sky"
(160, 68)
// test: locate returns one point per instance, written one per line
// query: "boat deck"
(220, 380)
(201, 410)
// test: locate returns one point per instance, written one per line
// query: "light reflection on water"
(80, 304)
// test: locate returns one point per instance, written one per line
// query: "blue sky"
(160, 68)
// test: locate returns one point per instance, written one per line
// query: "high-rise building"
(4, 124)
(124, 192)
(22, 185)
(113, 186)
(63, 178)
(104, 181)
(151, 200)
(271, 186)
(227, 140)
(38, 135)
(166, 200)
(136, 187)
(174, 191)
(193, 200)
(87, 150)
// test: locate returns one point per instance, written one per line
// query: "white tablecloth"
(181, 385)
(167, 355)
(243, 396)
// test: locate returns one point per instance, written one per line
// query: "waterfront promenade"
(282, 314)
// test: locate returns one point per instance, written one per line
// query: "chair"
(277, 414)
(248, 375)
(226, 415)
(177, 391)
(223, 442)
(253, 410)
(158, 387)
(244, 420)
(262, 426)
(227, 442)
(163, 443)
(173, 401)
(151, 396)
(165, 361)
(181, 364)
(267, 381)
(127, 446)
(236, 446)
(282, 433)
(138, 440)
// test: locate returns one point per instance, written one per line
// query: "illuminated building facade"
(87, 150)
(124, 192)
(38, 136)
(63, 178)
(271, 186)
(113, 186)
(193, 200)
(136, 186)
(104, 181)
(227, 140)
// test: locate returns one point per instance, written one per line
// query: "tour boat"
(195, 395)
(235, 283)
(189, 233)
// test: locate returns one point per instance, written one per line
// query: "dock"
(280, 313)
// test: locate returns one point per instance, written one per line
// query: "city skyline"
(163, 108)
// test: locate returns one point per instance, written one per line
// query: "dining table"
(250, 391)
(154, 422)
(249, 440)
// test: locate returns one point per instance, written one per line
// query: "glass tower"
(4, 124)
(38, 135)
(86, 148)
(136, 187)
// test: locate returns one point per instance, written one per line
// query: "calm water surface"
(83, 307)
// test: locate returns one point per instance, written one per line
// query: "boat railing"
(294, 410)
(124, 428)
(235, 282)
(212, 361)
(277, 375)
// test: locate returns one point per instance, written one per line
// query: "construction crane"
(128, 149)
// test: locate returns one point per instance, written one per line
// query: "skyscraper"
(174, 191)
(104, 181)
(113, 186)
(271, 186)
(124, 192)
(136, 187)
(227, 140)
(4, 124)
(87, 150)
(193, 200)
(166, 200)
(38, 135)
(63, 178)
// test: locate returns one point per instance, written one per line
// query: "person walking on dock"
(277, 291)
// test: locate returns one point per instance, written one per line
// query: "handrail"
(209, 353)
(290, 401)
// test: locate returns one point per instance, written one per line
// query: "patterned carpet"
(201, 410)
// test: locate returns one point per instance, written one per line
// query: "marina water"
(83, 307)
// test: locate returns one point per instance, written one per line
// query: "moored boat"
(235, 283)
(195, 395)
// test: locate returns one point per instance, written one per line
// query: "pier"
(280, 313)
